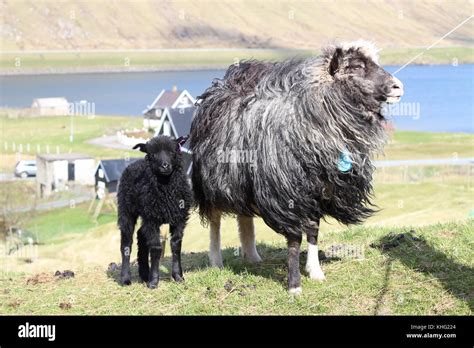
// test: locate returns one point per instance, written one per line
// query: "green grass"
(420, 145)
(161, 60)
(61, 224)
(54, 132)
(430, 272)
(436, 55)
(14, 194)
(424, 202)
(177, 59)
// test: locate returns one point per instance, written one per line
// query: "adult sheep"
(312, 125)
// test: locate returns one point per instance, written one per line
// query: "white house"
(173, 99)
(50, 106)
(174, 122)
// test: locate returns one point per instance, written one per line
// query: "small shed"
(50, 106)
(56, 171)
(108, 173)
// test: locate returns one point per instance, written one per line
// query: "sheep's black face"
(363, 81)
(163, 154)
(161, 162)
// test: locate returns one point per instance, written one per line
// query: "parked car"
(24, 169)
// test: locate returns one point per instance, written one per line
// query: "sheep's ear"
(182, 140)
(335, 61)
(141, 147)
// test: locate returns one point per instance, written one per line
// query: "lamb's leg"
(247, 238)
(215, 254)
(154, 246)
(294, 276)
(176, 240)
(312, 263)
(127, 225)
(143, 255)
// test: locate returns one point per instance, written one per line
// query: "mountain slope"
(99, 24)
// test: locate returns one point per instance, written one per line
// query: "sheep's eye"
(358, 67)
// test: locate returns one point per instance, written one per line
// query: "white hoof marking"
(316, 275)
(312, 264)
(295, 291)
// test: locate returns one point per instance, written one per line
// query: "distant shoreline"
(106, 70)
(115, 70)
(89, 62)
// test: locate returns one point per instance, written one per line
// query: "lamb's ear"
(141, 147)
(335, 61)
(182, 140)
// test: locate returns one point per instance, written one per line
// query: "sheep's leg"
(294, 275)
(312, 263)
(247, 238)
(143, 255)
(215, 254)
(154, 246)
(176, 240)
(127, 225)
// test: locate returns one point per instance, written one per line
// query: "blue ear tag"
(345, 162)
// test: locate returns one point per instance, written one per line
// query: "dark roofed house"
(166, 98)
(171, 113)
(108, 173)
(175, 122)
(172, 99)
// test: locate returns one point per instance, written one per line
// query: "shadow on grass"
(273, 266)
(419, 255)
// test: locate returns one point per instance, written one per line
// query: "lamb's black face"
(161, 162)
(363, 80)
(163, 154)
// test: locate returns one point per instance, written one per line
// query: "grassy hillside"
(425, 271)
(429, 272)
(86, 36)
(100, 24)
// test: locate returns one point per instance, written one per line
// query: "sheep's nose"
(397, 86)
(165, 165)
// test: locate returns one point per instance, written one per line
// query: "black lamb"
(157, 190)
